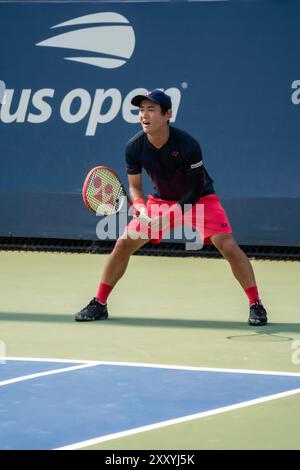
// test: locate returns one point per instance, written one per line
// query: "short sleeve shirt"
(170, 166)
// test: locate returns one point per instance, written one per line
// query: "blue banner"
(69, 73)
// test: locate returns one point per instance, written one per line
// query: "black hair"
(164, 110)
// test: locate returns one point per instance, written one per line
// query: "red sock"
(103, 292)
(252, 294)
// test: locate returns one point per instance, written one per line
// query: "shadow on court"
(155, 322)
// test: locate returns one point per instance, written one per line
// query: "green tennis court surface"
(180, 311)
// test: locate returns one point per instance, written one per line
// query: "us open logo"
(2, 92)
(295, 98)
(109, 44)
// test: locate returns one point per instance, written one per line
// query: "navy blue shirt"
(170, 166)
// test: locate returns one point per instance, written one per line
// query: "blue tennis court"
(74, 402)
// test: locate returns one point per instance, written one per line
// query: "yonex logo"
(112, 40)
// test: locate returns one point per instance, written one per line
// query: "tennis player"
(173, 160)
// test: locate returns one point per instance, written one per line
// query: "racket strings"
(104, 192)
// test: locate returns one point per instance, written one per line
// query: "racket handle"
(142, 216)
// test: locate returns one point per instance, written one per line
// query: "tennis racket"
(103, 192)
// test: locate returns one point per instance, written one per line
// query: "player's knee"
(226, 245)
(230, 249)
(126, 246)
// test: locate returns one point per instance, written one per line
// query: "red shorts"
(207, 216)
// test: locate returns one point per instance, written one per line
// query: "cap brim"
(136, 100)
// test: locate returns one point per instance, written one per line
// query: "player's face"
(151, 117)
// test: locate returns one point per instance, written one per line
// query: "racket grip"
(143, 219)
(139, 203)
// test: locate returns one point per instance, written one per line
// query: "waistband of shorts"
(157, 200)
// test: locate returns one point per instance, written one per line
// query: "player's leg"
(243, 272)
(118, 260)
(216, 229)
(114, 269)
(135, 236)
(239, 262)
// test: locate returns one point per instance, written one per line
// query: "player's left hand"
(142, 217)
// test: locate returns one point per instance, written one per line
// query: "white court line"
(42, 374)
(156, 366)
(204, 369)
(48, 359)
(162, 424)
